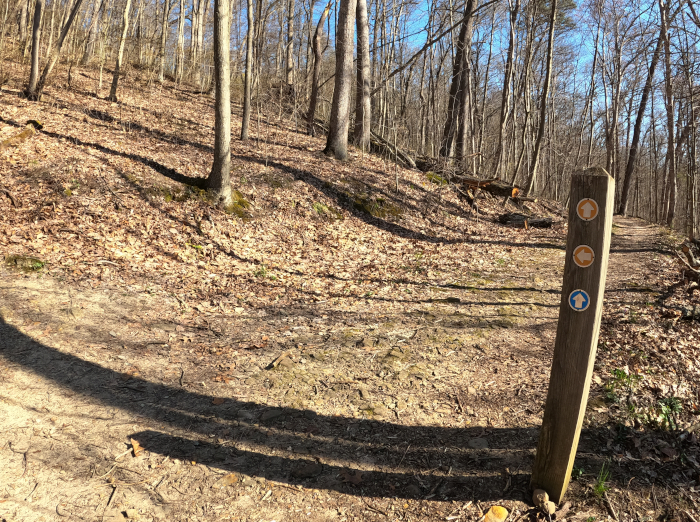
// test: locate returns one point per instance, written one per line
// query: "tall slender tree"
(337, 143)
(363, 102)
(120, 53)
(530, 184)
(36, 41)
(219, 180)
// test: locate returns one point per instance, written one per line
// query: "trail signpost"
(585, 269)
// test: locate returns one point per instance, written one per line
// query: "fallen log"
(692, 260)
(492, 186)
(522, 221)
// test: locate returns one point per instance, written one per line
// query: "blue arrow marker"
(579, 300)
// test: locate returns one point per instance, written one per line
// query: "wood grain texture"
(577, 336)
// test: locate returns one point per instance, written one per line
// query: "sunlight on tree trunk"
(219, 180)
(337, 143)
(120, 54)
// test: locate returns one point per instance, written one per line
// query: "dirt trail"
(412, 417)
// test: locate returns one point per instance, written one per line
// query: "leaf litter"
(375, 338)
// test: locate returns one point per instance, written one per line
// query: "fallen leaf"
(496, 514)
(226, 480)
(136, 447)
(218, 400)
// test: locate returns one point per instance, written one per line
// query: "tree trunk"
(219, 180)
(56, 52)
(465, 108)
(23, 15)
(363, 106)
(631, 160)
(248, 82)
(337, 144)
(318, 53)
(454, 96)
(670, 124)
(92, 33)
(543, 107)
(163, 40)
(505, 96)
(180, 52)
(36, 41)
(120, 53)
(289, 61)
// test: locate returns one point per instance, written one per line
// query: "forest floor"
(334, 350)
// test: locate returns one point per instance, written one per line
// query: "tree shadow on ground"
(365, 457)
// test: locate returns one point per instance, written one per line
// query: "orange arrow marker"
(584, 256)
(587, 209)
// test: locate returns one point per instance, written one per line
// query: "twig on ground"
(610, 506)
(111, 497)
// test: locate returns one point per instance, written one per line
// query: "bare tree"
(219, 180)
(337, 143)
(36, 40)
(318, 54)
(120, 53)
(56, 52)
(530, 184)
(363, 105)
(248, 82)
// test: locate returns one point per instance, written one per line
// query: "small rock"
(133, 514)
(287, 362)
(307, 470)
(380, 409)
(496, 514)
(551, 507)
(540, 498)
(478, 443)
(112, 334)
(271, 414)
(471, 390)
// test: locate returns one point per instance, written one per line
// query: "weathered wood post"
(585, 269)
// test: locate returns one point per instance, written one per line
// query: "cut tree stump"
(522, 221)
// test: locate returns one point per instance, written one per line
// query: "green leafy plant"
(621, 382)
(668, 408)
(601, 483)
(576, 473)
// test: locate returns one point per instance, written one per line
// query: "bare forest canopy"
(525, 91)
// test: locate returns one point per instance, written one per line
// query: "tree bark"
(632, 158)
(505, 96)
(180, 52)
(92, 33)
(56, 52)
(289, 60)
(163, 40)
(219, 180)
(318, 53)
(337, 143)
(248, 82)
(363, 106)
(120, 53)
(670, 124)
(36, 41)
(543, 102)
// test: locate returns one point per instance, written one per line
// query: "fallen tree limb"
(383, 144)
(522, 221)
(10, 196)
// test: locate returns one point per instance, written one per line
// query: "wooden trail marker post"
(585, 270)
